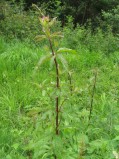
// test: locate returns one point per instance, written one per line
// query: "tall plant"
(55, 55)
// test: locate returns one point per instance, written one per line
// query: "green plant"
(47, 24)
(111, 18)
(16, 22)
(27, 115)
(92, 95)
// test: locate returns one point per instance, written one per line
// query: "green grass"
(26, 111)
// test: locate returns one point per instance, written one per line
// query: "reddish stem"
(57, 86)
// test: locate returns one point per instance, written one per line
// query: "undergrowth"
(87, 89)
(27, 118)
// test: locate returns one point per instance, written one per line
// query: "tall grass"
(26, 105)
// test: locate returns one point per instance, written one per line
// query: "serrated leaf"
(40, 37)
(52, 21)
(52, 61)
(63, 61)
(42, 60)
(66, 50)
(56, 34)
(33, 112)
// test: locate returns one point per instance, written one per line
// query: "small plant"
(92, 95)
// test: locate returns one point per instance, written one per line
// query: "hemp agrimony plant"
(55, 55)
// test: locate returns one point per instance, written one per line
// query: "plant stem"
(92, 97)
(57, 86)
(70, 82)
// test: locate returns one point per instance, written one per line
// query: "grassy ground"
(27, 109)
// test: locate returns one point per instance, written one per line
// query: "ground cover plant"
(87, 126)
(27, 119)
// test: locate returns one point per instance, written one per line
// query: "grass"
(26, 116)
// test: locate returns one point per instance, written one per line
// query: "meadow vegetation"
(88, 124)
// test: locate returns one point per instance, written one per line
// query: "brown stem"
(92, 97)
(60, 119)
(70, 82)
(57, 86)
(62, 104)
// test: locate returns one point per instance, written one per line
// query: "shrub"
(97, 41)
(112, 18)
(16, 23)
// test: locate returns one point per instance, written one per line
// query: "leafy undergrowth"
(27, 120)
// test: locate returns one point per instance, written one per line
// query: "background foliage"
(17, 23)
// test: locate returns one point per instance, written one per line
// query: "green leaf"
(40, 37)
(43, 93)
(52, 22)
(56, 34)
(8, 157)
(58, 146)
(116, 138)
(117, 128)
(63, 61)
(34, 111)
(42, 60)
(66, 50)
(15, 146)
(83, 138)
(52, 61)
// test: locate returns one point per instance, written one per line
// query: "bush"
(112, 18)
(16, 23)
(97, 41)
